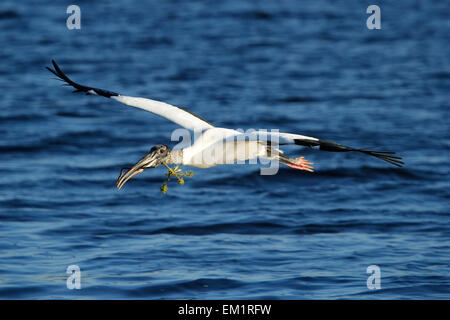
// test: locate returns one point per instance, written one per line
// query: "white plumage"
(216, 146)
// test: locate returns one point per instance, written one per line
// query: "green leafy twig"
(175, 172)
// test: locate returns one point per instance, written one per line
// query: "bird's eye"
(161, 150)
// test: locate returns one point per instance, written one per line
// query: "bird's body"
(207, 152)
(223, 153)
(215, 145)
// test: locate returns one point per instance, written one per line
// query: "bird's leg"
(299, 163)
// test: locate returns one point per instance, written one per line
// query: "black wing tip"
(306, 143)
(57, 68)
(326, 145)
(53, 71)
(79, 88)
(61, 75)
(386, 156)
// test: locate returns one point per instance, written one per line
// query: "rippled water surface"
(310, 67)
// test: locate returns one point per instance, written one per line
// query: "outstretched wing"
(175, 114)
(281, 138)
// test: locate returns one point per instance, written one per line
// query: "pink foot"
(300, 163)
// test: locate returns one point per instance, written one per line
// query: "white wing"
(270, 138)
(276, 138)
(175, 114)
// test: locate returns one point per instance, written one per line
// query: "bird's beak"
(148, 161)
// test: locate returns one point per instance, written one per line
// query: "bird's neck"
(176, 157)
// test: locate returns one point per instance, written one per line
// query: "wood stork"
(216, 145)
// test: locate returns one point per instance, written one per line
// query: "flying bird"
(216, 145)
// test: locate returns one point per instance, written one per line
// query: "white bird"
(215, 145)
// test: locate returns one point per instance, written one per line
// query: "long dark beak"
(149, 161)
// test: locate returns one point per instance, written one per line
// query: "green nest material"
(175, 172)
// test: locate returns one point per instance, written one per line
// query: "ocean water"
(309, 67)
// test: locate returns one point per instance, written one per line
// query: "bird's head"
(157, 155)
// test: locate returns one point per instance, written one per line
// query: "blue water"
(310, 67)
